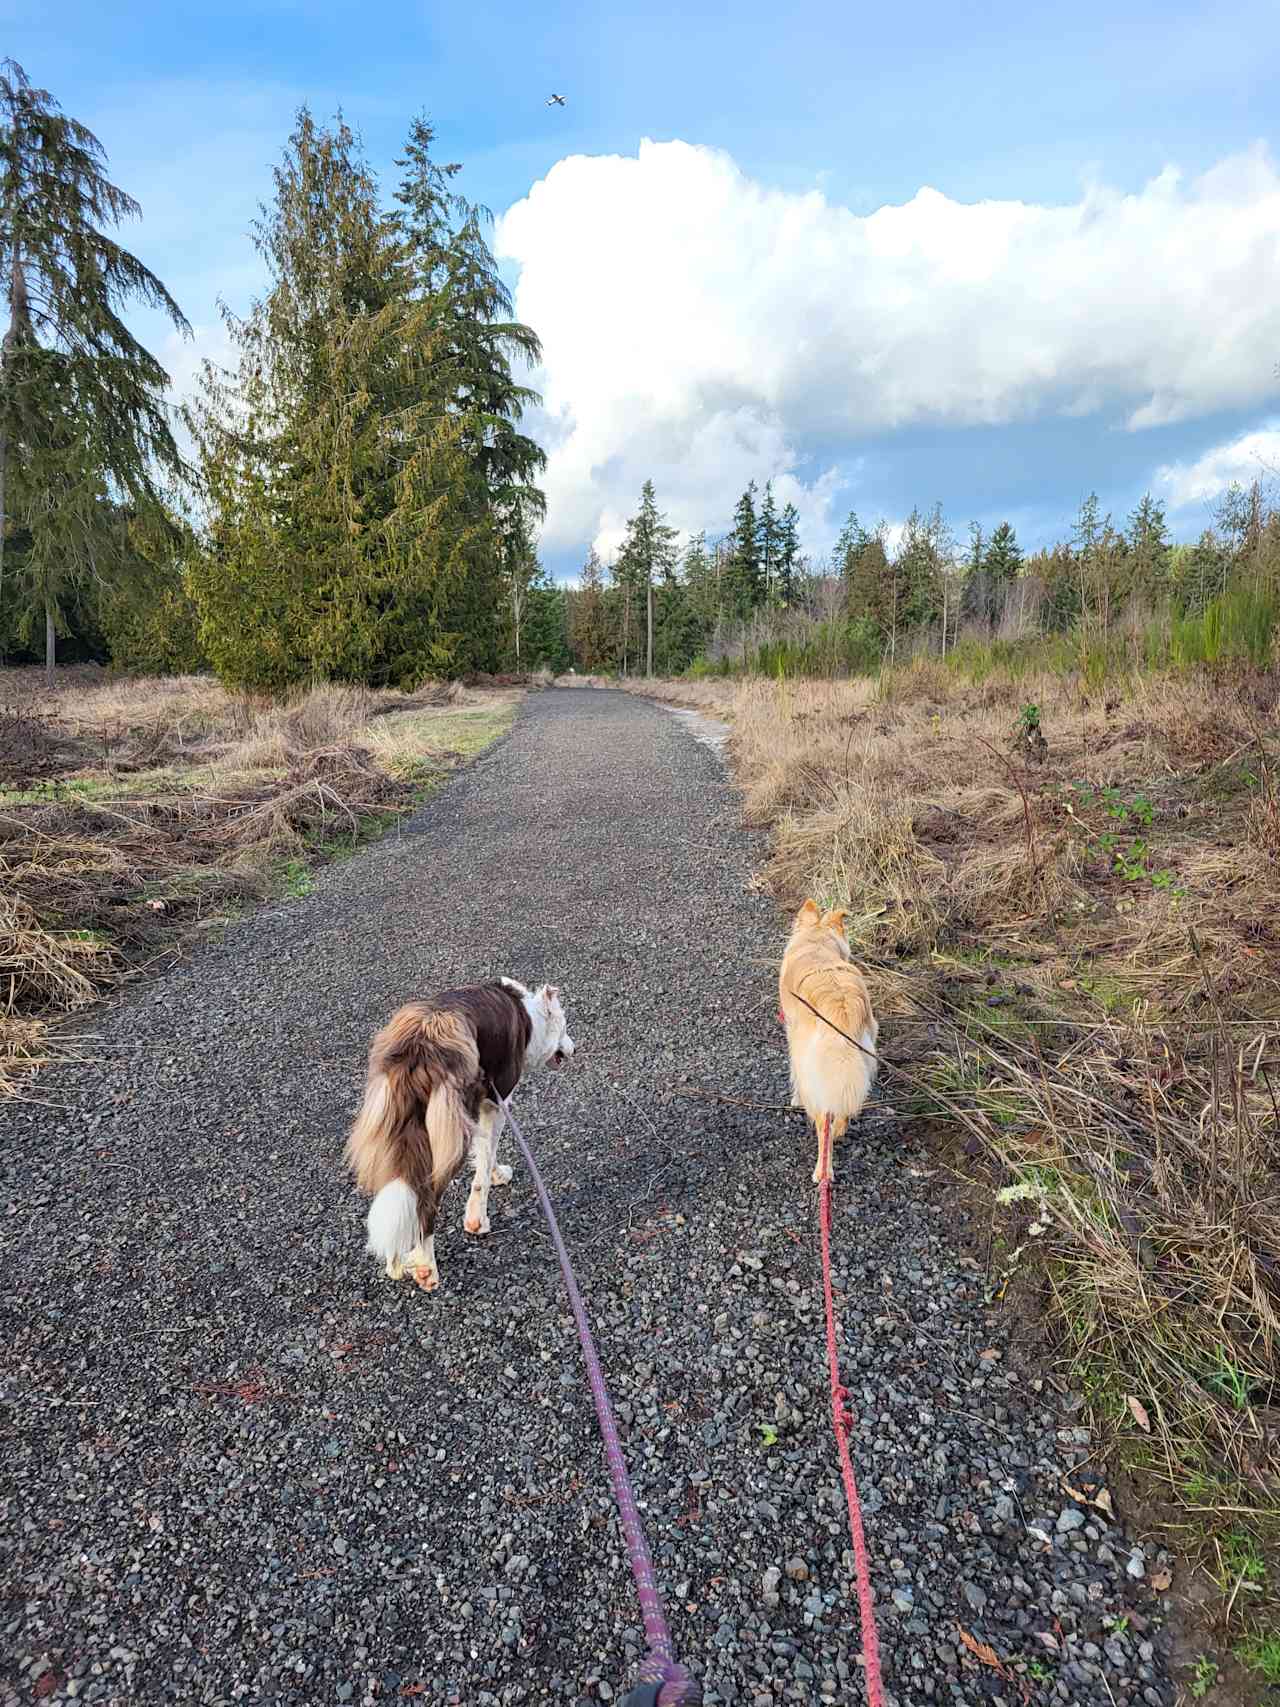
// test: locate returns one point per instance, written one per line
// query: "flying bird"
(556, 101)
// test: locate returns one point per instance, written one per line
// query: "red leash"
(842, 1420)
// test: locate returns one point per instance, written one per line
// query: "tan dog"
(830, 1076)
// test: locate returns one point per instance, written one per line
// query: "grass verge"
(1068, 902)
(133, 811)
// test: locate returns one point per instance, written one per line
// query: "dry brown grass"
(133, 809)
(1092, 998)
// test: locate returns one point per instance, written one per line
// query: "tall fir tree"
(1202, 573)
(520, 572)
(870, 595)
(455, 276)
(1150, 547)
(86, 444)
(699, 571)
(366, 478)
(546, 633)
(743, 580)
(334, 477)
(590, 628)
(1001, 564)
(789, 555)
(768, 545)
(647, 559)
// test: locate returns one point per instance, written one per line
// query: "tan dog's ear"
(809, 914)
(834, 920)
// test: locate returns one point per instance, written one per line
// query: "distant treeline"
(752, 601)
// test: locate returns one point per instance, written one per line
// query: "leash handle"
(662, 1680)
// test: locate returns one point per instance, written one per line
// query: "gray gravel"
(239, 1465)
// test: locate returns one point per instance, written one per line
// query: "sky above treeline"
(992, 258)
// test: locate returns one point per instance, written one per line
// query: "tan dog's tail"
(835, 1068)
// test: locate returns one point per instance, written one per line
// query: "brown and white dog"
(830, 1076)
(436, 1072)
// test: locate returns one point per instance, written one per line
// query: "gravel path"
(239, 1465)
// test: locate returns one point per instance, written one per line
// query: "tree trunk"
(19, 316)
(16, 284)
(649, 645)
(4, 458)
(50, 645)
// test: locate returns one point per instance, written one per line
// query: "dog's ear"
(809, 914)
(834, 920)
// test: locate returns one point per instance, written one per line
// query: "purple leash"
(661, 1680)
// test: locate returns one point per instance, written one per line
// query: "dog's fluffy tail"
(393, 1222)
(831, 1075)
(450, 1133)
(411, 1134)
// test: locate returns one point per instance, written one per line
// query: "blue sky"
(813, 360)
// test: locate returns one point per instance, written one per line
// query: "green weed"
(296, 879)
(1203, 1677)
(1261, 1654)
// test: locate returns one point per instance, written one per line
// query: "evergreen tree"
(975, 598)
(1003, 557)
(916, 573)
(1001, 565)
(453, 269)
(647, 557)
(699, 571)
(1239, 517)
(1201, 572)
(366, 481)
(789, 555)
(86, 444)
(1099, 553)
(768, 544)
(520, 570)
(546, 638)
(327, 464)
(1149, 547)
(743, 581)
(869, 594)
(853, 539)
(589, 625)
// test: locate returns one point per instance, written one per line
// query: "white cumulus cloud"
(1252, 456)
(703, 330)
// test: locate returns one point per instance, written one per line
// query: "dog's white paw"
(476, 1224)
(427, 1276)
(395, 1268)
(501, 1174)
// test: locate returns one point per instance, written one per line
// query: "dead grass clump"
(923, 681)
(862, 852)
(996, 886)
(275, 736)
(42, 970)
(43, 973)
(1150, 1156)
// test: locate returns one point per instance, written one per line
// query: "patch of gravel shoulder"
(239, 1465)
